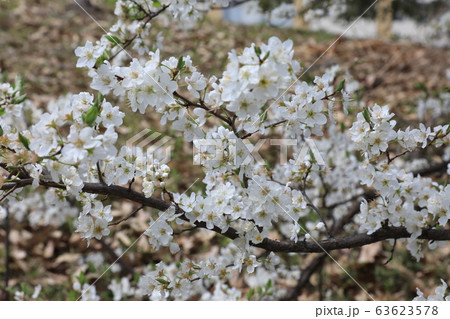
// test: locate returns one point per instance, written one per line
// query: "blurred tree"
(384, 19)
(419, 10)
(299, 21)
(269, 5)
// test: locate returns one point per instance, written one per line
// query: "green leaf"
(260, 291)
(2, 111)
(91, 115)
(25, 141)
(269, 285)
(136, 278)
(18, 83)
(156, 3)
(267, 165)
(81, 279)
(266, 56)
(180, 64)
(1, 130)
(161, 281)
(342, 127)
(250, 293)
(26, 289)
(105, 56)
(99, 100)
(366, 115)
(113, 39)
(313, 158)
(257, 50)
(73, 295)
(19, 99)
(91, 266)
(263, 117)
(340, 86)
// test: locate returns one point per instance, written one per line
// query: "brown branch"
(336, 229)
(268, 244)
(432, 169)
(309, 270)
(305, 275)
(353, 241)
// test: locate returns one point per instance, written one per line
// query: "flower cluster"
(412, 202)
(305, 110)
(94, 218)
(121, 289)
(50, 208)
(438, 296)
(184, 280)
(27, 295)
(434, 107)
(88, 292)
(373, 130)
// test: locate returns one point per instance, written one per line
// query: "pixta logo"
(155, 146)
(237, 152)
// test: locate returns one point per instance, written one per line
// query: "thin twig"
(439, 134)
(351, 199)
(131, 184)
(310, 203)
(149, 16)
(188, 102)
(185, 230)
(267, 126)
(398, 155)
(7, 193)
(126, 217)
(392, 252)
(100, 174)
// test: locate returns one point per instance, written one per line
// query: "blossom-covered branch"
(267, 244)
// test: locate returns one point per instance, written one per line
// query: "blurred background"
(398, 52)
(394, 46)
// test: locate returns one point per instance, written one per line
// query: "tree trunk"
(299, 21)
(384, 19)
